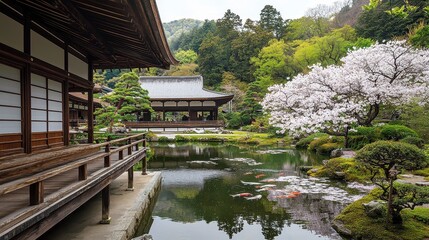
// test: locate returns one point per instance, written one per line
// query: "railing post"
(107, 150)
(36, 193)
(144, 162)
(83, 172)
(129, 146)
(137, 145)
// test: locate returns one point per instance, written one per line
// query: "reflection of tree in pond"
(214, 203)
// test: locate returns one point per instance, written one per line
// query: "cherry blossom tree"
(335, 98)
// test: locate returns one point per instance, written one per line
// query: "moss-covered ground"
(415, 222)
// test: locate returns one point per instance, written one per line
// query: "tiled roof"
(179, 87)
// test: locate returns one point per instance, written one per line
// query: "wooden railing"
(33, 170)
(177, 124)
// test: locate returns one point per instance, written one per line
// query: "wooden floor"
(15, 203)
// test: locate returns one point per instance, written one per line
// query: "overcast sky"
(214, 9)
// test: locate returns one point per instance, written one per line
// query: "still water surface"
(198, 180)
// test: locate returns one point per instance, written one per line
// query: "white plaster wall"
(195, 103)
(10, 111)
(170, 104)
(156, 104)
(182, 104)
(77, 66)
(46, 50)
(11, 33)
(209, 103)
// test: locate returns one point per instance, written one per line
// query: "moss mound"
(337, 168)
(360, 226)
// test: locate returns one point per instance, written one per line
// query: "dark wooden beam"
(66, 110)
(90, 105)
(105, 205)
(26, 88)
(36, 193)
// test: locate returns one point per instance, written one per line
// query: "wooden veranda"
(39, 190)
(178, 124)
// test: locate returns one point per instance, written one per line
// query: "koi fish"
(296, 193)
(260, 175)
(263, 189)
(269, 180)
(257, 197)
(241, 195)
(248, 173)
(250, 183)
(268, 186)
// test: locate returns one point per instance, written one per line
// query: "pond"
(216, 191)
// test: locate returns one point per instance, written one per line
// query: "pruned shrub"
(163, 139)
(420, 143)
(304, 142)
(397, 132)
(180, 138)
(326, 149)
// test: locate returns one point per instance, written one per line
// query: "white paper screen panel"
(10, 99)
(10, 85)
(55, 126)
(46, 50)
(39, 115)
(38, 103)
(54, 85)
(11, 33)
(10, 113)
(55, 116)
(38, 92)
(39, 127)
(52, 95)
(56, 106)
(10, 127)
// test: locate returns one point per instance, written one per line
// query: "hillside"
(175, 28)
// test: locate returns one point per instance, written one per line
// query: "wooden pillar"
(36, 193)
(105, 205)
(144, 162)
(26, 88)
(66, 108)
(90, 105)
(107, 158)
(130, 179)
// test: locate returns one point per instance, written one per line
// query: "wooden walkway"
(60, 189)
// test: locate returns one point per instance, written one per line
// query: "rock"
(325, 162)
(375, 209)
(341, 229)
(119, 129)
(336, 153)
(340, 174)
(143, 237)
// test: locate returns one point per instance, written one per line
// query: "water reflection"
(196, 203)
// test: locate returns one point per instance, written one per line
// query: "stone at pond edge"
(341, 229)
(143, 237)
(423, 184)
(336, 153)
(375, 209)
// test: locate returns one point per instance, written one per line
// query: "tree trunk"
(396, 217)
(346, 137)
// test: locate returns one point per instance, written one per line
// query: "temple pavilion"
(180, 102)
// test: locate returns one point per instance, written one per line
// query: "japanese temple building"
(180, 102)
(49, 49)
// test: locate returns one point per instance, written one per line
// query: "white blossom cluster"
(335, 97)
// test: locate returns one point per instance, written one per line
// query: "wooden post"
(107, 150)
(137, 146)
(130, 179)
(36, 193)
(90, 105)
(144, 162)
(121, 154)
(26, 89)
(105, 205)
(129, 146)
(83, 172)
